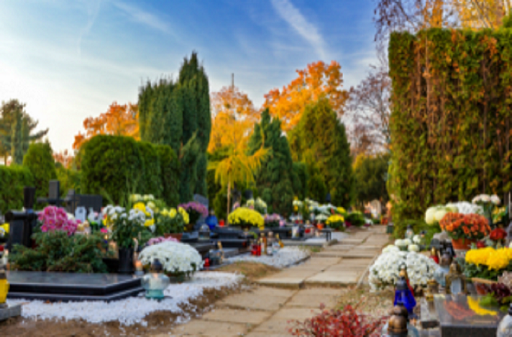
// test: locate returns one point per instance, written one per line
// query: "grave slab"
(56, 286)
(253, 317)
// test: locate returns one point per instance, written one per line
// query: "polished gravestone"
(55, 286)
(458, 318)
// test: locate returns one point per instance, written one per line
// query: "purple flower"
(195, 207)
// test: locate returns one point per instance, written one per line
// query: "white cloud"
(93, 8)
(144, 17)
(289, 13)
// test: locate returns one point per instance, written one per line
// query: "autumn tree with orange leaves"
(64, 157)
(119, 120)
(234, 118)
(317, 80)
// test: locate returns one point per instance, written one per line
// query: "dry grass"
(251, 270)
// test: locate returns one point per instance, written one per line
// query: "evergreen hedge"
(12, 181)
(451, 117)
(119, 166)
(39, 160)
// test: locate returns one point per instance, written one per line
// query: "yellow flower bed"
(494, 259)
(243, 216)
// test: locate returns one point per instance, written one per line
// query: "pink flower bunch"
(54, 218)
(161, 239)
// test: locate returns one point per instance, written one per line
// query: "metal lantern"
(204, 233)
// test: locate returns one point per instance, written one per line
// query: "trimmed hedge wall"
(12, 181)
(120, 166)
(451, 135)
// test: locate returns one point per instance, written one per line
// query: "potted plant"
(246, 218)
(464, 229)
(125, 226)
(272, 221)
(336, 221)
(170, 222)
(179, 260)
(194, 211)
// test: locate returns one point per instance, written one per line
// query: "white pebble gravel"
(285, 257)
(131, 310)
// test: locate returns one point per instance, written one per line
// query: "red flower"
(498, 234)
(480, 244)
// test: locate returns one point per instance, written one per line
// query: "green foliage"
(12, 181)
(39, 160)
(169, 168)
(316, 189)
(178, 114)
(274, 179)
(16, 130)
(69, 179)
(451, 117)
(300, 180)
(320, 139)
(371, 176)
(220, 204)
(118, 166)
(56, 251)
(356, 219)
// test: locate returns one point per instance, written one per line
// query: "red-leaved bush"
(338, 323)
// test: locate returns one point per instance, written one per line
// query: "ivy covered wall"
(451, 117)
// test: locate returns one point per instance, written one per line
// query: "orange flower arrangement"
(469, 226)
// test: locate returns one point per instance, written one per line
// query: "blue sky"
(68, 60)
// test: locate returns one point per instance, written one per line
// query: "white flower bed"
(385, 270)
(285, 257)
(174, 256)
(131, 310)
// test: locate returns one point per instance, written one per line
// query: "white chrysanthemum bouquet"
(385, 271)
(176, 258)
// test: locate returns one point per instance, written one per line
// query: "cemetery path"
(292, 294)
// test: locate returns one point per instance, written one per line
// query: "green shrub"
(220, 204)
(39, 160)
(356, 219)
(56, 251)
(69, 180)
(169, 169)
(12, 181)
(119, 166)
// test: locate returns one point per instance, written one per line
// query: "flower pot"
(177, 236)
(320, 226)
(462, 244)
(125, 261)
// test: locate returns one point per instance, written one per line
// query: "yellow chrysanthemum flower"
(341, 210)
(5, 226)
(149, 223)
(184, 214)
(173, 213)
(478, 256)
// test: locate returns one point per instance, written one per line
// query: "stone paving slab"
(345, 267)
(342, 247)
(267, 334)
(278, 324)
(268, 299)
(340, 278)
(352, 241)
(354, 254)
(356, 262)
(253, 317)
(209, 328)
(305, 299)
(322, 261)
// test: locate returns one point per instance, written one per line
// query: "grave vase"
(177, 236)
(125, 261)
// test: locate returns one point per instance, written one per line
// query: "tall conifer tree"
(274, 179)
(177, 113)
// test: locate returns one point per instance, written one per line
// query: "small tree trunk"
(229, 201)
